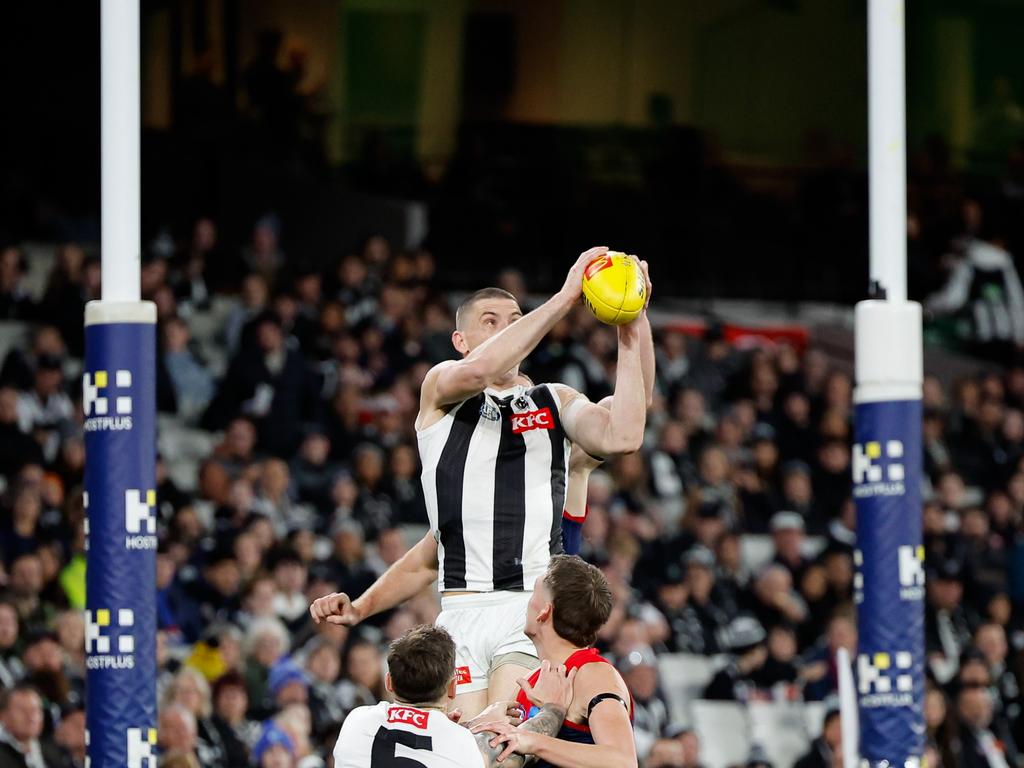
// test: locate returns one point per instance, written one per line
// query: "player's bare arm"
(552, 692)
(410, 575)
(619, 429)
(613, 745)
(501, 351)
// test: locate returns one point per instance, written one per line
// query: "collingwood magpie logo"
(108, 407)
(102, 637)
(878, 472)
(885, 680)
(140, 519)
(911, 562)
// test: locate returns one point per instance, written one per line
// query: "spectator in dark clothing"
(949, 626)
(24, 588)
(738, 680)
(779, 673)
(981, 743)
(684, 597)
(373, 508)
(348, 567)
(22, 744)
(937, 455)
(1004, 671)
(405, 488)
(214, 596)
(235, 732)
(21, 536)
(20, 364)
(788, 536)
(773, 600)
(639, 668)
(827, 747)
(46, 411)
(15, 301)
(985, 559)
(312, 471)
(16, 448)
(796, 438)
(12, 668)
(798, 496)
(819, 669)
(940, 543)
(831, 478)
(269, 383)
(75, 281)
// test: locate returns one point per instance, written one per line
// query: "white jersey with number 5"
(391, 735)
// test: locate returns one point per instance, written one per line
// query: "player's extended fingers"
(509, 749)
(572, 674)
(503, 738)
(523, 683)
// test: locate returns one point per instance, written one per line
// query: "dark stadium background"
(402, 152)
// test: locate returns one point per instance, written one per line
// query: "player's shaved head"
(466, 307)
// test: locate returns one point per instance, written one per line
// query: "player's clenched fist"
(335, 608)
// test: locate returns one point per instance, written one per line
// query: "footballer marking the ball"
(615, 288)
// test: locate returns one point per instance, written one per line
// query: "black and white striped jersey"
(494, 476)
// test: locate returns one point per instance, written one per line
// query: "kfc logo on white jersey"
(409, 716)
(524, 422)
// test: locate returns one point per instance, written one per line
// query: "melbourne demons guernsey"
(575, 732)
(494, 476)
(389, 734)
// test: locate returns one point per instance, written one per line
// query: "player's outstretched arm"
(620, 429)
(647, 359)
(409, 576)
(454, 381)
(553, 693)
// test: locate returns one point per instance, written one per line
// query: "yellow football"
(614, 288)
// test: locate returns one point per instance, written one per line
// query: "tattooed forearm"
(547, 721)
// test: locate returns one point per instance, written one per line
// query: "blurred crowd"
(729, 535)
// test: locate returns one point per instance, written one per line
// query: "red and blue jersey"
(574, 732)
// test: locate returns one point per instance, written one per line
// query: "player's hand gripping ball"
(614, 288)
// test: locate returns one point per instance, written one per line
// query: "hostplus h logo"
(100, 635)
(885, 680)
(911, 562)
(140, 519)
(878, 472)
(97, 396)
(142, 748)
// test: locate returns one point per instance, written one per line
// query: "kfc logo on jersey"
(524, 422)
(409, 716)
(462, 676)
